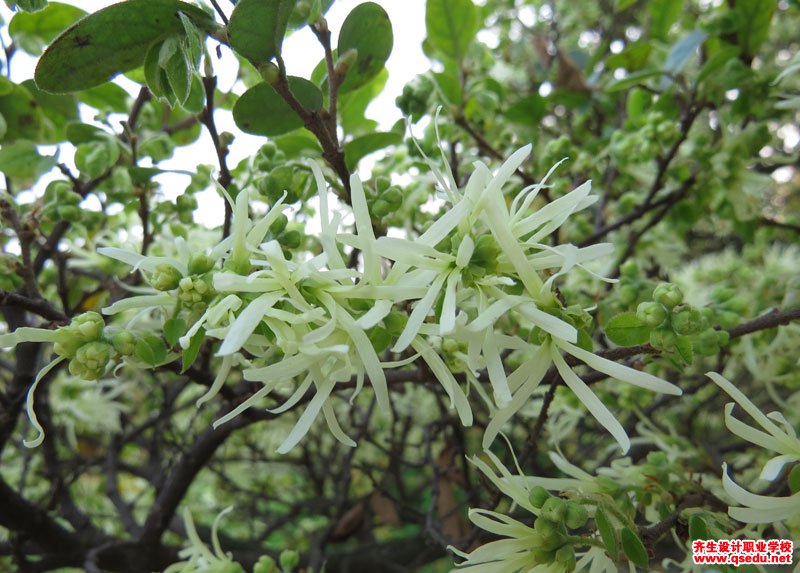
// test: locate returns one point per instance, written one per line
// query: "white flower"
(758, 508)
(199, 558)
(781, 439)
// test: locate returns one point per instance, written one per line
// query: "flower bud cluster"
(61, 202)
(89, 347)
(416, 94)
(671, 318)
(385, 198)
(551, 544)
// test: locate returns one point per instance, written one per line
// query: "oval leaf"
(451, 26)
(627, 330)
(633, 547)
(257, 27)
(110, 41)
(607, 533)
(262, 111)
(362, 146)
(367, 30)
(698, 528)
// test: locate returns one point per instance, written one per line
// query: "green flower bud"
(69, 213)
(68, 346)
(538, 496)
(265, 564)
(87, 326)
(165, 277)
(544, 527)
(543, 557)
(554, 509)
(381, 208)
(382, 183)
(722, 294)
(123, 342)
(90, 360)
(268, 150)
(393, 196)
(195, 291)
(652, 314)
(706, 343)
(628, 294)
(291, 239)
(737, 304)
(668, 294)
(576, 515)
(565, 557)
(289, 559)
(279, 224)
(186, 202)
(687, 321)
(662, 339)
(200, 263)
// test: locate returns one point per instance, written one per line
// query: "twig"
(225, 177)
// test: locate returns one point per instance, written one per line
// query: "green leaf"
(794, 479)
(174, 328)
(698, 528)
(110, 41)
(368, 30)
(451, 26)
(262, 111)
(27, 5)
(299, 143)
(109, 98)
(190, 354)
(257, 28)
(753, 19)
(32, 32)
(631, 80)
(300, 16)
(717, 61)
(680, 54)
(23, 114)
(683, 345)
(627, 330)
(449, 86)
(663, 14)
(353, 105)
(633, 547)
(177, 68)
(607, 532)
(527, 111)
(150, 349)
(83, 132)
(362, 146)
(96, 157)
(22, 159)
(57, 111)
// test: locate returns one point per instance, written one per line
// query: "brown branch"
(38, 306)
(225, 177)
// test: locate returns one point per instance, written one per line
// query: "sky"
(301, 53)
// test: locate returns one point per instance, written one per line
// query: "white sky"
(301, 52)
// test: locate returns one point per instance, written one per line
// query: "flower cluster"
(310, 320)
